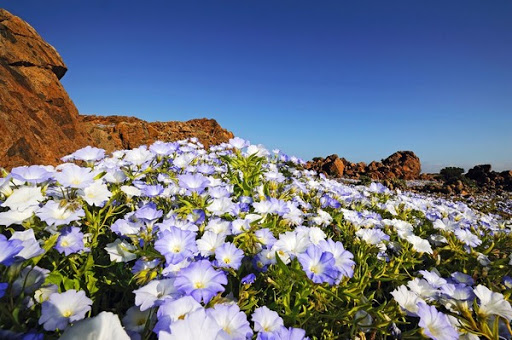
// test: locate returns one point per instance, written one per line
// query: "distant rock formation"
(118, 132)
(39, 123)
(401, 165)
(485, 177)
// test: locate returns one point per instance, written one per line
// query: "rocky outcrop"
(37, 117)
(119, 132)
(485, 177)
(39, 123)
(400, 165)
(331, 165)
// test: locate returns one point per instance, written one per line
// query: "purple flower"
(319, 265)
(71, 240)
(201, 281)
(194, 183)
(176, 245)
(248, 279)
(229, 256)
(9, 249)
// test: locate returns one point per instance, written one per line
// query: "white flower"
(322, 219)
(155, 293)
(131, 191)
(16, 217)
(422, 288)
(104, 326)
(96, 194)
(120, 251)
(209, 242)
(492, 303)
(407, 299)
(316, 235)
(24, 198)
(221, 206)
(198, 325)
(266, 320)
(135, 319)
(420, 245)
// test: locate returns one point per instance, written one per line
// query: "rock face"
(118, 132)
(39, 123)
(37, 117)
(401, 165)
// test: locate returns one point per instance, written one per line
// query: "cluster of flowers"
(180, 242)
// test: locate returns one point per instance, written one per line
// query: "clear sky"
(362, 79)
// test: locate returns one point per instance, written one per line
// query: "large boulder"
(331, 165)
(404, 165)
(38, 121)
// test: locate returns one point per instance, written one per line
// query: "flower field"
(238, 242)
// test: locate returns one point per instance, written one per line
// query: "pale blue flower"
(31, 174)
(73, 176)
(194, 183)
(435, 324)
(319, 265)
(176, 244)
(229, 256)
(233, 322)
(155, 293)
(87, 154)
(201, 281)
(71, 240)
(343, 258)
(198, 325)
(65, 308)
(266, 320)
(173, 310)
(31, 247)
(56, 214)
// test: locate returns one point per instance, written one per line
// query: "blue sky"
(362, 79)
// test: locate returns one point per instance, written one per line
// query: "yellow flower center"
(314, 269)
(198, 285)
(176, 249)
(67, 313)
(226, 260)
(64, 243)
